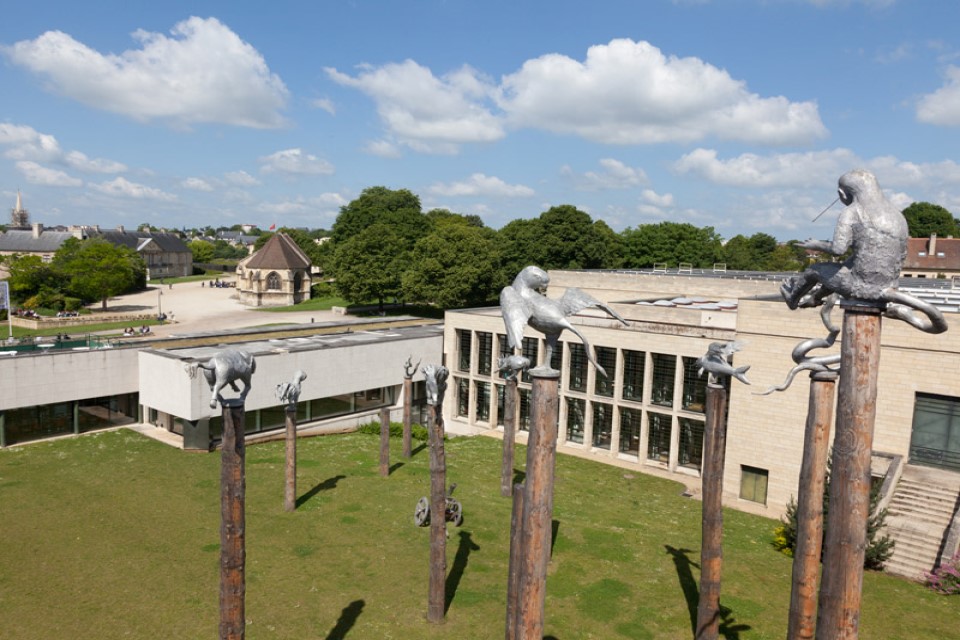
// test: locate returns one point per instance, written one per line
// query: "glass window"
(501, 399)
(664, 367)
(530, 346)
(33, 423)
(273, 281)
(578, 368)
(556, 358)
(935, 439)
(602, 425)
(630, 431)
(504, 345)
(633, 365)
(753, 484)
(575, 419)
(272, 418)
(524, 401)
(463, 350)
(463, 397)
(658, 440)
(483, 401)
(694, 386)
(484, 352)
(606, 358)
(691, 443)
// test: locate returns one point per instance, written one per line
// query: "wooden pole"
(232, 523)
(802, 624)
(509, 436)
(407, 420)
(290, 486)
(538, 504)
(711, 552)
(438, 521)
(838, 616)
(513, 574)
(384, 442)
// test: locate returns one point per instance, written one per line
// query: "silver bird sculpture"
(716, 364)
(523, 304)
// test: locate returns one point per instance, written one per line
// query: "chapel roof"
(279, 252)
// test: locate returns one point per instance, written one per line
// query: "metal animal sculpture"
(409, 369)
(289, 392)
(522, 304)
(436, 379)
(716, 364)
(226, 368)
(511, 366)
(875, 233)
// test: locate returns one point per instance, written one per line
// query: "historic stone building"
(276, 275)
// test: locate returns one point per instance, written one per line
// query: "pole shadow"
(420, 447)
(691, 593)
(348, 617)
(327, 484)
(519, 476)
(554, 531)
(459, 566)
(394, 467)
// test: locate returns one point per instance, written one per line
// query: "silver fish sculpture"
(716, 364)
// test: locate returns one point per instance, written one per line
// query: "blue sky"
(737, 114)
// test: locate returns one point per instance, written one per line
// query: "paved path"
(196, 308)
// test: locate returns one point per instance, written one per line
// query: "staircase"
(919, 514)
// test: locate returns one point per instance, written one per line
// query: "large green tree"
(670, 243)
(369, 265)
(924, 218)
(400, 208)
(455, 266)
(96, 270)
(202, 250)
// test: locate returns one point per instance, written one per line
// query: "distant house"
(165, 254)
(238, 239)
(278, 274)
(932, 257)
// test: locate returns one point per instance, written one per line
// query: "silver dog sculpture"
(511, 366)
(226, 368)
(289, 392)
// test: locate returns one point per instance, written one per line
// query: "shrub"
(945, 579)
(417, 432)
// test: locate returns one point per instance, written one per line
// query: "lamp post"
(159, 306)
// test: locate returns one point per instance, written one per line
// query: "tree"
(202, 250)
(455, 266)
(670, 243)
(572, 240)
(97, 270)
(380, 205)
(924, 218)
(368, 265)
(29, 275)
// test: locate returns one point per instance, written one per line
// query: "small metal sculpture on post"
(289, 392)
(522, 304)
(875, 233)
(510, 367)
(409, 369)
(716, 363)
(436, 378)
(225, 368)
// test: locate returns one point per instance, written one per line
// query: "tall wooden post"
(232, 523)
(438, 521)
(384, 442)
(509, 435)
(513, 573)
(538, 503)
(802, 624)
(838, 615)
(711, 553)
(290, 486)
(407, 420)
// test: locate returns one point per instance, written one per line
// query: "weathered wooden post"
(716, 362)
(436, 600)
(408, 370)
(222, 369)
(513, 575)
(536, 532)
(873, 234)
(838, 615)
(802, 623)
(384, 442)
(510, 367)
(289, 392)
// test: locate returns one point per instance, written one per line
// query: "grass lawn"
(324, 303)
(113, 535)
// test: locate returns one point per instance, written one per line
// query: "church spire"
(19, 217)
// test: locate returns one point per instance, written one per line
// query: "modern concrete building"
(648, 415)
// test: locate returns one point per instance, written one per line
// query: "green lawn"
(113, 535)
(324, 303)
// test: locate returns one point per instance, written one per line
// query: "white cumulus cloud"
(628, 92)
(202, 73)
(38, 174)
(480, 184)
(295, 161)
(942, 107)
(26, 143)
(196, 184)
(124, 188)
(240, 179)
(614, 174)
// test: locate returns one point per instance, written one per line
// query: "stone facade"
(276, 275)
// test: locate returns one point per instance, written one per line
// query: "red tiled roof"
(279, 252)
(945, 254)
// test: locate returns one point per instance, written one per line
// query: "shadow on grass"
(691, 593)
(394, 467)
(519, 476)
(329, 483)
(348, 617)
(554, 530)
(418, 449)
(459, 566)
